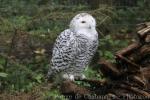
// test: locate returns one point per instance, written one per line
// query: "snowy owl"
(74, 48)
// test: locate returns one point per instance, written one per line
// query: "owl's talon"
(80, 77)
(71, 77)
(68, 77)
(83, 76)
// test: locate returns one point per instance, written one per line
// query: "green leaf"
(3, 74)
(109, 55)
(39, 78)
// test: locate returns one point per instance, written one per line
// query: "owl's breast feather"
(91, 35)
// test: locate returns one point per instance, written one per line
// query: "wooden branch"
(144, 35)
(147, 39)
(141, 26)
(69, 87)
(136, 66)
(136, 90)
(146, 72)
(128, 50)
(109, 69)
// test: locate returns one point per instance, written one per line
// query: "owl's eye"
(83, 21)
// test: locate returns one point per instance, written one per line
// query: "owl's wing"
(63, 52)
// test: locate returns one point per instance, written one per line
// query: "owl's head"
(83, 21)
